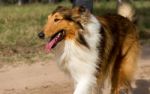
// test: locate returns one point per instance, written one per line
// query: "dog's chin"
(58, 50)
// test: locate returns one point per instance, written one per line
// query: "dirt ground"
(46, 78)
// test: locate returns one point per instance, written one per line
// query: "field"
(25, 68)
(19, 26)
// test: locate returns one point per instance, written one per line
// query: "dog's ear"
(68, 17)
(79, 13)
(80, 9)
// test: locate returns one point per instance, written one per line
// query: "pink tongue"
(50, 44)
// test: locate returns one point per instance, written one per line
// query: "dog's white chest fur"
(81, 63)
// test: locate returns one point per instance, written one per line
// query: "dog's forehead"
(56, 15)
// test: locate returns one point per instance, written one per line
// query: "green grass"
(19, 26)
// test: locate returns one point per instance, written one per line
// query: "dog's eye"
(56, 20)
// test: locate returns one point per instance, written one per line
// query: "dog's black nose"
(41, 35)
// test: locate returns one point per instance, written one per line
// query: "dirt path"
(38, 78)
(46, 78)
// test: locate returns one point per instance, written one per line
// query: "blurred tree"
(33, 1)
(9, 1)
(53, 1)
(20, 2)
(44, 1)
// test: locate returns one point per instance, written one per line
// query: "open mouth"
(55, 39)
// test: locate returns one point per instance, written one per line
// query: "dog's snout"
(41, 35)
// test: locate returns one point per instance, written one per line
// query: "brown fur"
(119, 47)
(119, 52)
(57, 22)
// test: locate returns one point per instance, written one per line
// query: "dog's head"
(64, 24)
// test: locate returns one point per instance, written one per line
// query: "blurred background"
(25, 68)
(21, 20)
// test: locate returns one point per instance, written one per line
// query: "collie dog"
(98, 52)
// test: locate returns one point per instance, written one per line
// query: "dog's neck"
(93, 29)
(72, 52)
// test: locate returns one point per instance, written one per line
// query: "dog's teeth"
(59, 34)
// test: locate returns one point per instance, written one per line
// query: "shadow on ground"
(145, 52)
(142, 87)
